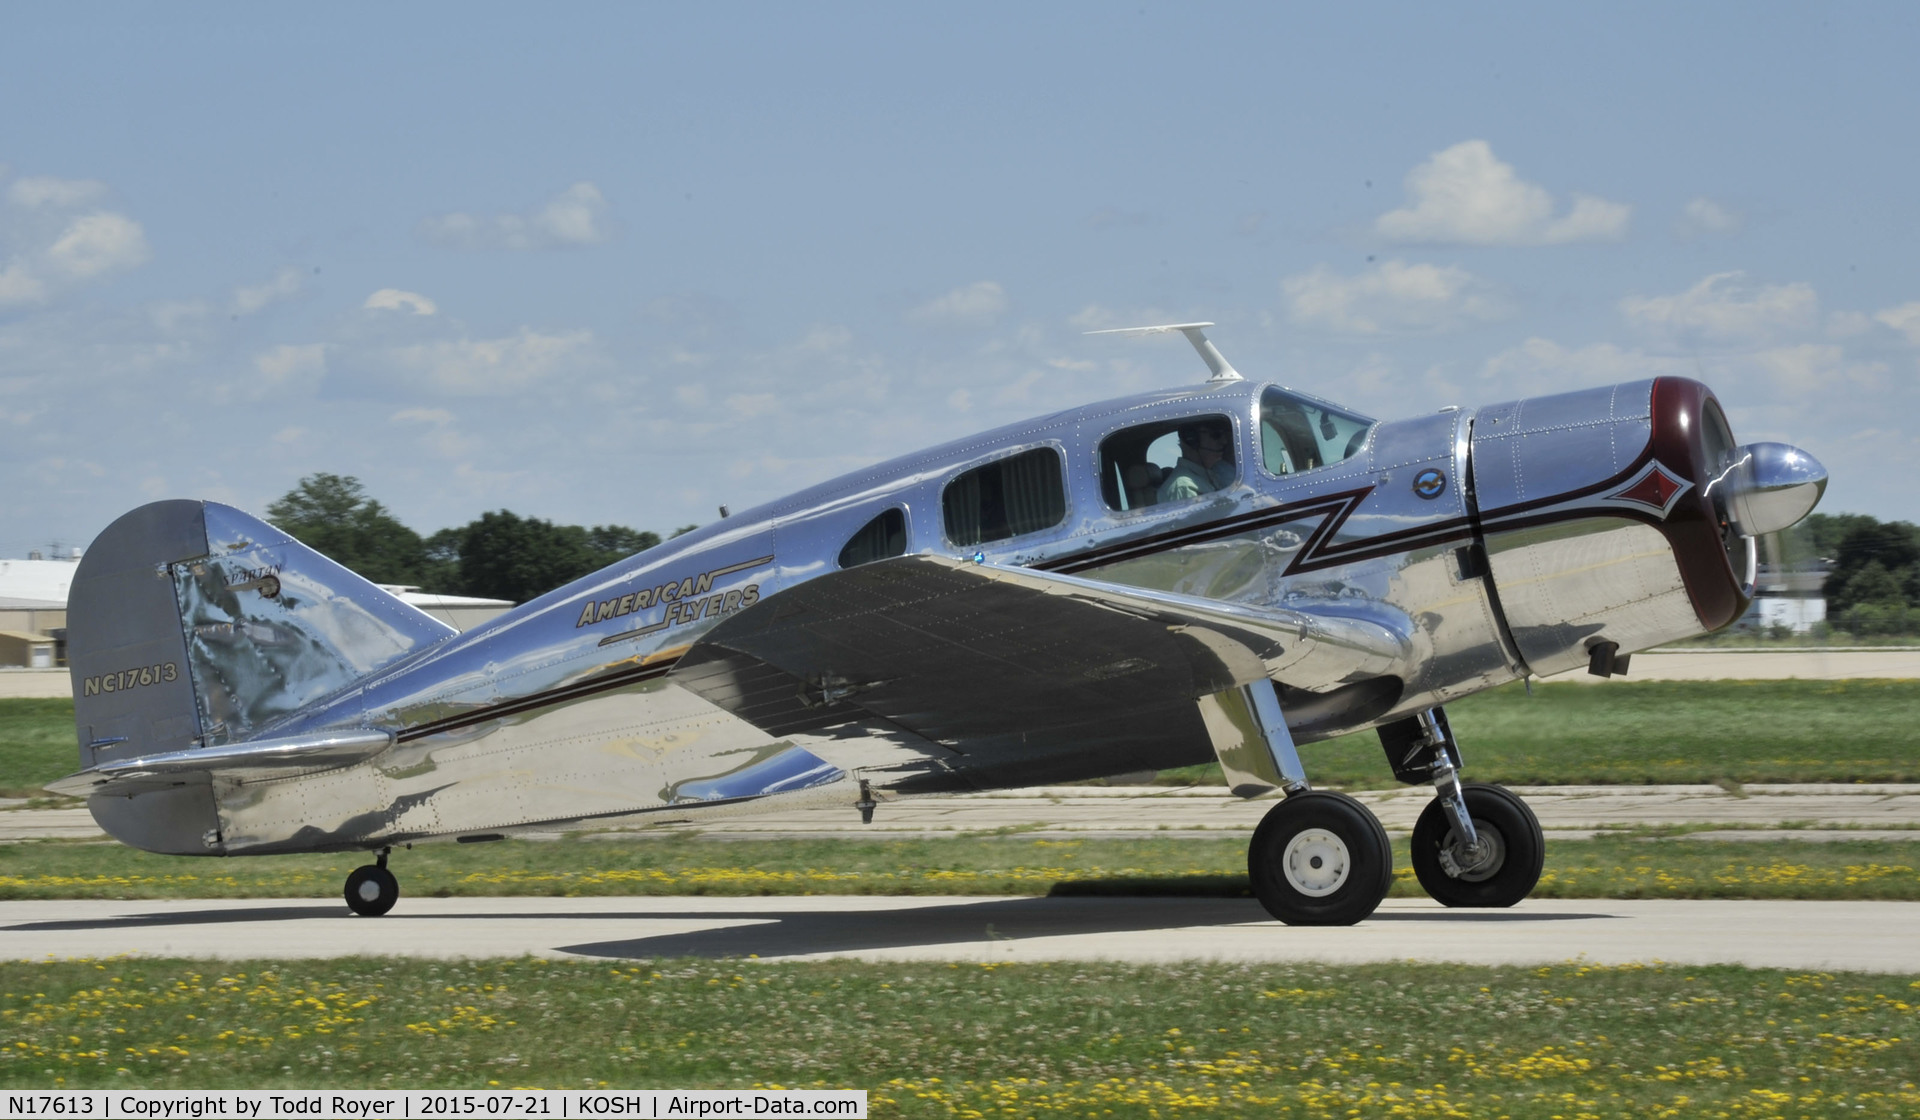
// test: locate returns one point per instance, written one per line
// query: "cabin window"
(884, 536)
(1007, 498)
(1168, 461)
(1299, 433)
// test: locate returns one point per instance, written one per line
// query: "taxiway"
(1852, 936)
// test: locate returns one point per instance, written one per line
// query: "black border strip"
(1335, 509)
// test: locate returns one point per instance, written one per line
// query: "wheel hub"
(1477, 863)
(369, 890)
(1315, 862)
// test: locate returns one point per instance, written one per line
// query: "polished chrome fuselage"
(1487, 544)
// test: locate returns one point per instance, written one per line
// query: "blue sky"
(620, 264)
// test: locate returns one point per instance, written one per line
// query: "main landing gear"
(372, 890)
(1321, 858)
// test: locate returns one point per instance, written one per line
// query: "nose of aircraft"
(1774, 485)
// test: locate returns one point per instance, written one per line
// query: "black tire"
(1499, 818)
(372, 890)
(1320, 859)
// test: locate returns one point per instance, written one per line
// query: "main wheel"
(1512, 850)
(372, 890)
(1320, 859)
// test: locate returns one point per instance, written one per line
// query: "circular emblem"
(1430, 483)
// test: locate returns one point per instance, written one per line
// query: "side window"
(1167, 461)
(1299, 434)
(884, 536)
(1020, 494)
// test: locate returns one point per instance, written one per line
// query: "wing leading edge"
(1006, 675)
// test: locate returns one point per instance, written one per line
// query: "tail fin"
(192, 624)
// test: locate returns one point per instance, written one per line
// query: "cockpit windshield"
(1298, 433)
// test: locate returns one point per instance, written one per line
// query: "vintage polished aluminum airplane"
(1039, 603)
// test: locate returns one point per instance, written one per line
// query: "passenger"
(1206, 462)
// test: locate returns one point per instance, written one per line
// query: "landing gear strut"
(1318, 858)
(1474, 845)
(372, 890)
(1499, 869)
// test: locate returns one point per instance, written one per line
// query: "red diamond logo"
(1654, 490)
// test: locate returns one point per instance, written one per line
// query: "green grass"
(1628, 866)
(36, 745)
(943, 1040)
(1658, 732)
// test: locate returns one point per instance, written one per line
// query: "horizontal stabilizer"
(240, 761)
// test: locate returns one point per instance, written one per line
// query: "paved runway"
(1854, 936)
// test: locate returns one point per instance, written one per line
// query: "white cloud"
(394, 299)
(1848, 324)
(975, 305)
(1801, 383)
(746, 406)
(19, 285)
(1467, 196)
(97, 244)
(575, 217)
(824, 338)
(1905, 319)
(285, 285)
(1540, 365)
(1803, 370)
(55, 236)
(441, 436)
(285, 368)
(1723, 308)
(1705, 216)
(490, 366)
(1094, 317)
(422, 416)
(1394, 296)
(36, 191)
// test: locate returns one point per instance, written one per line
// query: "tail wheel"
(1511, 853)
(372, 890)
(1320, 859)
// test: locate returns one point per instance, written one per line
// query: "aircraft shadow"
(790, 933)
(185, 918)
(842, 931)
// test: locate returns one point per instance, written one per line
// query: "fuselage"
(1493, 543)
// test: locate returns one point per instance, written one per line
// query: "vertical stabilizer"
(192, 624)
(132, 690)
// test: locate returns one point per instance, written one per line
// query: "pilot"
(1206, 462)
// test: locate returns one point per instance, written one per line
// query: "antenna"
(1196, 334)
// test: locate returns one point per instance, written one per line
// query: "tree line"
(499, 555)
(1874, 585)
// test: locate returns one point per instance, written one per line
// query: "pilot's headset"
(1190, 437)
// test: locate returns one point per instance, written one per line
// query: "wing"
(1010, 676)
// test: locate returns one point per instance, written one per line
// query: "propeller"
(1763, 490)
